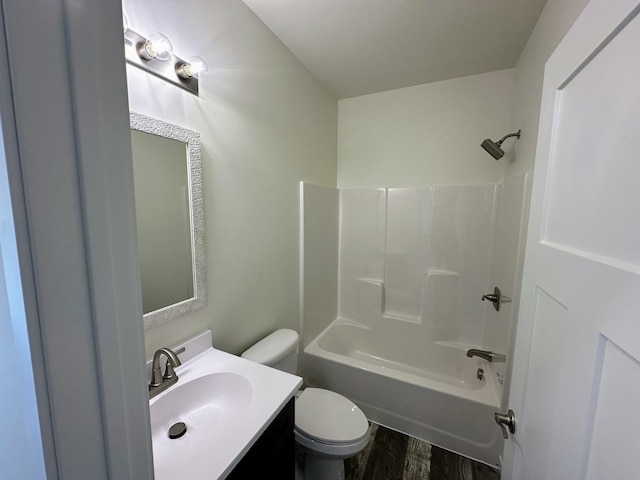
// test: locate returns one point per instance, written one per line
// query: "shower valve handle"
(491, 297)
(496, 298)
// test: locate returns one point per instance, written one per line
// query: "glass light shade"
(158, 47)
(196, 67)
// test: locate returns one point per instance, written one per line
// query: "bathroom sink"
(225, 402)
(209, 406)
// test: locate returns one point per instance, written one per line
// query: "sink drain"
(177, 430)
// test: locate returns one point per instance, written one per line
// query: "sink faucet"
(159, 382)
(487, 355)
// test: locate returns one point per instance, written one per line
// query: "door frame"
(65, 120)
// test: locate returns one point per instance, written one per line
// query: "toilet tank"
(278, 350)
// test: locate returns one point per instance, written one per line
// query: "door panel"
(592, 193)
(578, 340)
(617, 387)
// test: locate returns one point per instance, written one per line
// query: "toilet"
(328, 426)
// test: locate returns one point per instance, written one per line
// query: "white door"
(576, 374)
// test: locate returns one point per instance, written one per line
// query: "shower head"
(495, 148)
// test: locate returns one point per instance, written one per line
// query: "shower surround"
(409, 267)
(418, 257)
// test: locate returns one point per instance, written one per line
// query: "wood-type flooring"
(391, 455)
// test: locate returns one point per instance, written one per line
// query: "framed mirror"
(167, 174)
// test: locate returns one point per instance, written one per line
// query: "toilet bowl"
(328, 426)
(328, 429)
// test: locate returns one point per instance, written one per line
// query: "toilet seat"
(325, 417)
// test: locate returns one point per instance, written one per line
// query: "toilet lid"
(329, 417)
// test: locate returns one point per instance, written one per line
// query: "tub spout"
(487, 355)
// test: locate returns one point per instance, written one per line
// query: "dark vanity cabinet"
(273, 454)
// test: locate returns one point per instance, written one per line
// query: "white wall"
(21, 452)
(265, 125)
(554, 22)
(425, 135)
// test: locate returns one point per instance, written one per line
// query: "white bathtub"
(430, 391)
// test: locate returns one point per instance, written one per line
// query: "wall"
(425, 135)
(554, 22)
(265, 125)
(21, 449)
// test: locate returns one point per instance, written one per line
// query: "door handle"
(506, 421)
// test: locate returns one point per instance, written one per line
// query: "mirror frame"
(154, 126)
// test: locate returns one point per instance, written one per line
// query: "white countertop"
(270, 390)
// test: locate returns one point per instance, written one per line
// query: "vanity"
(239, 418)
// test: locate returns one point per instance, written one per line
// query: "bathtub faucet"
(487, 355)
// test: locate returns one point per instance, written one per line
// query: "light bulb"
(195, 67)
(157, 47)
(199, 67)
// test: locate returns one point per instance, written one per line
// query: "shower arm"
(517, 134)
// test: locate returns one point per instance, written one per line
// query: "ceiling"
(356, 47)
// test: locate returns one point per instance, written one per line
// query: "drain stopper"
(177, 430)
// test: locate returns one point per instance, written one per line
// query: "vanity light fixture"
(155, 55)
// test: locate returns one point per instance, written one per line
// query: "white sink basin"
(208, 405)
(226, 402)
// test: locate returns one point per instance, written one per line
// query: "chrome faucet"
(487, 355)
(159, 382)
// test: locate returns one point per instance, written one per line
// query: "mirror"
(169, 215)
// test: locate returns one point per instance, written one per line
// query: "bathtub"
(429, 390)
